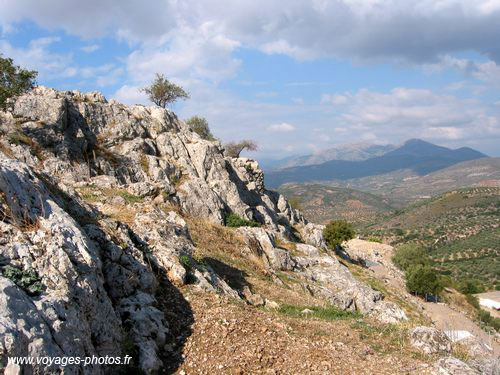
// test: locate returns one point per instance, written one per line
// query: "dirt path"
(232, 338)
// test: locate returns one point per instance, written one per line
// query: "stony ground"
(234, 338)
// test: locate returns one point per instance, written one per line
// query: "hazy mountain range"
(354, 152)
(415, 155)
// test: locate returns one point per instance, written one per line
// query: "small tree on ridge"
(233, 149)
(162, 91)
(14, 80)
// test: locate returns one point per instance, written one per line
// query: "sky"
(297, 77)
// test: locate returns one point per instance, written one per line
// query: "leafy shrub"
(336, 232)
(27, 280)
(186, 262)
(200, 126)
(234, 221)
(410, 255)
(423, 280)
(486, 318)
(14, 80)
(470, 286)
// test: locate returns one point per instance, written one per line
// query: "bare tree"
(233, 149)
(162, 91)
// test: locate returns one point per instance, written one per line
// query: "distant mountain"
(320, 203)
(416, 155)
(352, 152)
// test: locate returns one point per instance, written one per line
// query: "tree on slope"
(336, 232)
(200, 126)
(14, 80)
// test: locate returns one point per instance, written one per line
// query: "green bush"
(200, 126)
(27, 280)
(234, 221)
(410, 255)
(470, 286)
(14, 80)
(336, 232)
(423, 280)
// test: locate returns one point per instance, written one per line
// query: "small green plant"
(324, 313)
(27, 280)
(336, 232)
(186, 262)
(233, 220)
(130, 198)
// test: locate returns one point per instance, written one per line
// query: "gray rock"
(453, 366)
(430, 340)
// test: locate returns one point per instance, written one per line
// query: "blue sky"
(297, 79)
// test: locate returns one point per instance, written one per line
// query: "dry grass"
(287, 245)
(123, 213)
(144, 161)
(18, 137)
(458, 301)
(6, 150)
(461, 352)
(94, 194)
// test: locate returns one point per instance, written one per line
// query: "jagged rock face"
(102, 267)
(82, 136)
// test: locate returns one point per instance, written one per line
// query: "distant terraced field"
(321, 203)
(461, 229)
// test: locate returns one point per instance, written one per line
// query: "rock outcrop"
(92, 199)
(430, 340)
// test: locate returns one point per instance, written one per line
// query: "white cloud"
(130, 95)
(266, 94)
(282, 128)
(38, 57)
(303, 29)
(90, 48)
(334, 99)
(191, 54)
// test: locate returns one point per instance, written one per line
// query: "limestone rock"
(453, 366)
(430, 340)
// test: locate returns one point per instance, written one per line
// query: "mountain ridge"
(420, 156)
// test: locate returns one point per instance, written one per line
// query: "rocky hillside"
(98, 204)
